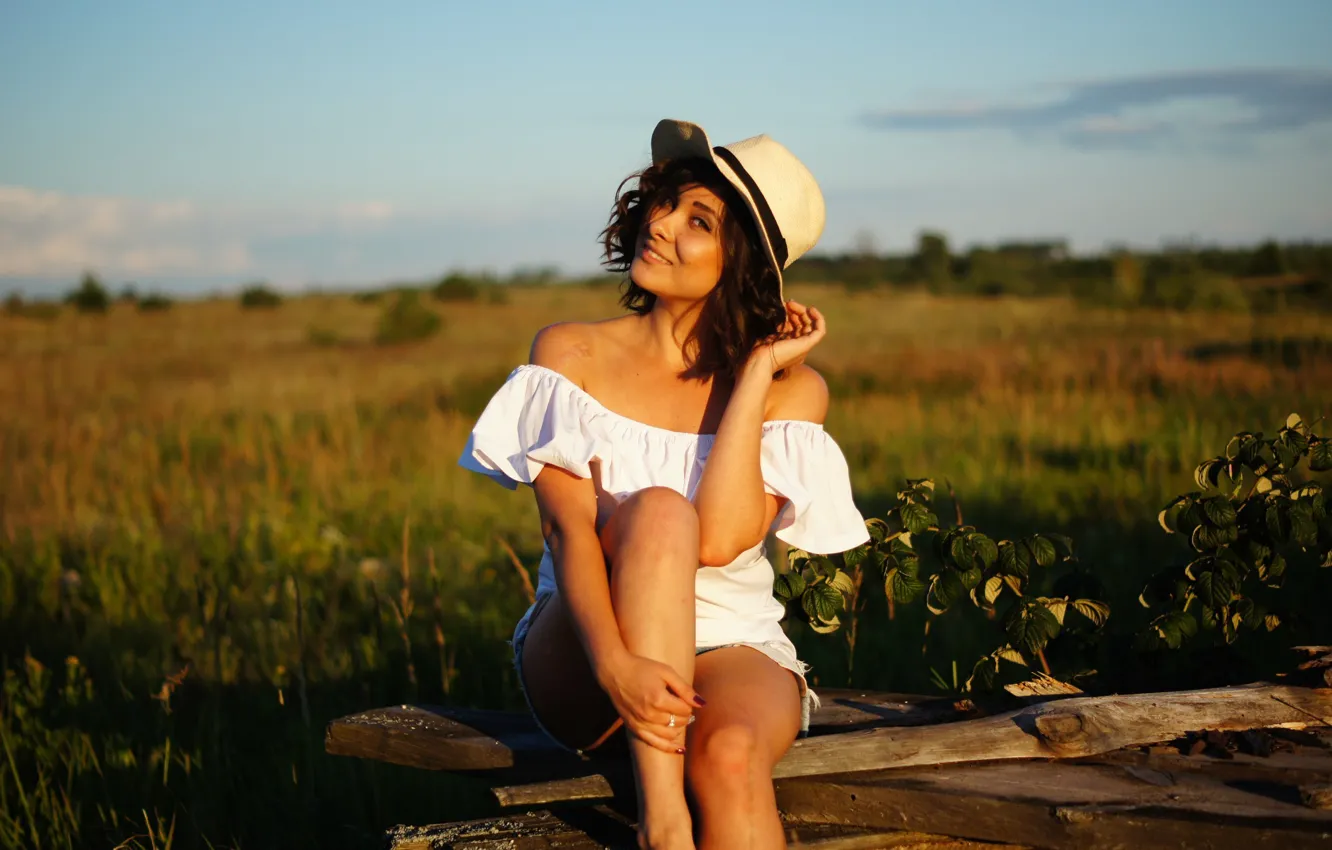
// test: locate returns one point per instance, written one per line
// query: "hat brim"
(682, 140)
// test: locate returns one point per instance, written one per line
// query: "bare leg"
(752, 717)
(652, 544)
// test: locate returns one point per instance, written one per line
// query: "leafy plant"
(407, 320)
(154, 302)
(259, 296)
(962, 564)
(322, 337)
(91, 296)
(456, 287)
(1250, 515)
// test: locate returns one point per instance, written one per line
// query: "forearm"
(580, 575)
(730, 497)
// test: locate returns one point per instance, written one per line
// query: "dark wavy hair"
(743, 308)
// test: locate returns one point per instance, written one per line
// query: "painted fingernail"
(698, 700)
(679, 750)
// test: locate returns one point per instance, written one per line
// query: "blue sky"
(193, 144)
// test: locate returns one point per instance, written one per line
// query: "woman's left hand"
(803, 329)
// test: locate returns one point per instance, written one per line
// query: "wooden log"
(438, 738)
(1316, 796)
(1069, 728)
(1064, 805)
(586, 829)
(472, 740)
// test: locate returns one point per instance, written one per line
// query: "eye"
(702, 222)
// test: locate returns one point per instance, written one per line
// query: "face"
(679, 253)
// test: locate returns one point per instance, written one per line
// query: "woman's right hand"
(647, 694)
(803, 329)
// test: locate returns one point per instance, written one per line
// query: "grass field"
(220, 528)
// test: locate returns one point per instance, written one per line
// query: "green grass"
(203, 515)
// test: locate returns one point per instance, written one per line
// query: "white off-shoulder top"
(540, 417)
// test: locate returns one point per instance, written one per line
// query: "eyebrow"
(704, 206)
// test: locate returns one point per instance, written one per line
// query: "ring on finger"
(671, 722)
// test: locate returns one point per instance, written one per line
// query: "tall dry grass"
(240, 524)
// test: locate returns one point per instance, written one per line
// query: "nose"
(662, 225)
(659, 228)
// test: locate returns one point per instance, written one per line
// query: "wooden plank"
(845, 709)
(1069, 728)
(599, 827)
(472, 740)
(831, 837)
(1064, 805)
(1305, 766)
(576, 830)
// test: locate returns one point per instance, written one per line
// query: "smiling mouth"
(652, 255)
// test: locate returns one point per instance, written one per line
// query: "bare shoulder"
(565, 347)
(802, 394)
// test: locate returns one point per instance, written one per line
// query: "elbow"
(716, 556)
(721, 553)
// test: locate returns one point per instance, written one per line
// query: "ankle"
(661, 829)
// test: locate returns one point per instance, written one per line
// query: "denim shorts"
(783, 653)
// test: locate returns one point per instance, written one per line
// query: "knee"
(723, 758)
(663, 514)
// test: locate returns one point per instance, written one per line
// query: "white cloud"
(1216, 104)
(52, 235)
(47, 234)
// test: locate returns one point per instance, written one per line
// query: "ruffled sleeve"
(802, 464)
(535, 419)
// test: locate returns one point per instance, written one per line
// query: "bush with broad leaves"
(1255, 512)
(919, 560)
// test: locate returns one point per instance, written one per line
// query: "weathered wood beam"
(472, 740)
(586, 829)
(1069, 728)
(1065, 805)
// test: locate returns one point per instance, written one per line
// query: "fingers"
(799, 319)
(684, 691)
(655, 739)
(818, 325)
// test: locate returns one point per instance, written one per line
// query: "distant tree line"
(1269, 276)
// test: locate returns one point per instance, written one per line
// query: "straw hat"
(781, 193)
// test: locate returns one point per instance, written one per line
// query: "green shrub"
(259, 296)
(91, 296)
(322, 337)
(1127, 279)
(991, 273)
(43, 311)
(916, 557)
(1196, 289)
(456, 287)
(406, 320)
(1255, 521)
(154, 302)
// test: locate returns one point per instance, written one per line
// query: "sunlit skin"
(632, 633)
(678, 254)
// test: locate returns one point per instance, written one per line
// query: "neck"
(667, 327)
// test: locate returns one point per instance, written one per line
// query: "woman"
(662, 446)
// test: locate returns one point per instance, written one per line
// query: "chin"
(663, 282)
(648, 277)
